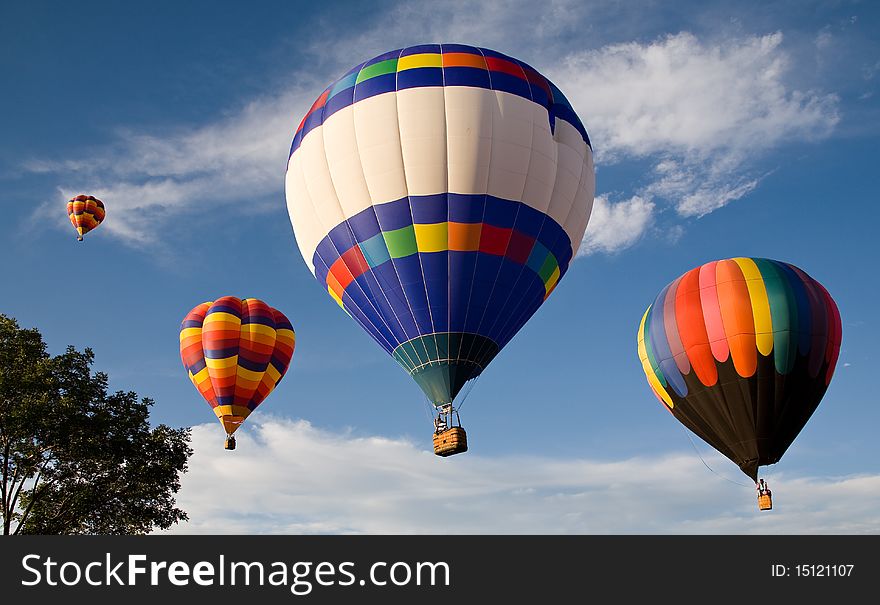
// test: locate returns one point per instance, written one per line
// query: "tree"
(75, 459)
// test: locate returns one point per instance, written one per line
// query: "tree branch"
(62, 507)
(30, 505)
(43, 462)
(7, 512)
(12, 483)
(15, 494)
(34, 497)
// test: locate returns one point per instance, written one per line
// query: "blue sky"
(719, 130)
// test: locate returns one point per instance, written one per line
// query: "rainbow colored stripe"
(438, 65)
(85, 213)
(402, 271)
(742, 310)
(236, 352)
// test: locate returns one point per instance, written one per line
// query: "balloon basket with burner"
(449, 438)
(765, 502)
(450, 442)
(230, 443)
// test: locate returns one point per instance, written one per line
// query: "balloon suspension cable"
(430, 410)
(686, 432)
(469, 386)
(446, 411)
(447, 417)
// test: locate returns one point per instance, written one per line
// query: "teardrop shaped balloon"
(741, 352)
(85, 213)
(235, 352)
(438, 193)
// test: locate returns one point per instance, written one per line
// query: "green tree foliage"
(74, 458)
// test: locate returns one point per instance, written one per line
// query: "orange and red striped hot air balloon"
(235, 351)
(85, 213)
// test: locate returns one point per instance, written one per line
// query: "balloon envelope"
(439, 193)
(85, 213)
(235, 352)
(741, 352)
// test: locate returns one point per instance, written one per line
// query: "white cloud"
(824, 39)
(544, 30)
(682, 95)
(290, 477)
(615, 226)
(696, 190)
(704, 113)
(150, 180)
(708, 198)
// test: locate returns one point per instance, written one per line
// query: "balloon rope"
(704, 462)
(468, 388)
(429, 409)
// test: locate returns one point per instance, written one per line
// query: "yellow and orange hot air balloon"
(235, 351)
(85, 212)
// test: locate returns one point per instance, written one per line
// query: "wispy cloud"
(290, 477)
(544, 31)
(704, 113)
(239, 157)
(686, 96)
(615, 226)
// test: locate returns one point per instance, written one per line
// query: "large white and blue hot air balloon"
(439, 193)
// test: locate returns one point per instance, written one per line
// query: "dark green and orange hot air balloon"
(85, 213)
(741, 352)
(235, 351)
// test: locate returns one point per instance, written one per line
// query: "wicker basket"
(450, 442)
(765, 503)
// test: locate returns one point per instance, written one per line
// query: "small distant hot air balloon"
(235, 351)
(85, 212)
(741, 352)
(438, 194)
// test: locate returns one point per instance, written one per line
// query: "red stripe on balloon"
(505, 66)
(493, 240)
(832, 350)
(692, 328)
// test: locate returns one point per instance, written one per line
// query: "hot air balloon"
(741, 351)
(235, 351)
(85, 213)
(438, 193)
